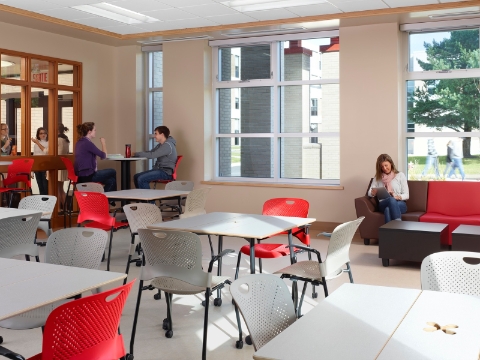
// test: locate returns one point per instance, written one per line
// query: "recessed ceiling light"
(186, 38)
(6, 63)
(255, 5)
(261, 32)
(115, 13)
(456, 15)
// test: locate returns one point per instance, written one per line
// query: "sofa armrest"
(373, 219)
(364, 206)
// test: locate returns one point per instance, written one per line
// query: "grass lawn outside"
(416, 164)
(235, 154)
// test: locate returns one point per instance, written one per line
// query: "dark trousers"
(42, 182)
(107, 177)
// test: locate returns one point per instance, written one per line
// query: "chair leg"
(259, 261)
(211, 246)
(299, 310)
(314, 293)
(239, 343)
(349, 270)
(238, 264)
(129, 260)
(169, 327)
(205, 325)
(135, 318)
(110, 249)
(324, 283)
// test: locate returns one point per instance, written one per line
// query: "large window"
(443, 106)
(154, 96)
(277, 111)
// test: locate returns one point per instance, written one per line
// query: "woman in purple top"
(86, 159)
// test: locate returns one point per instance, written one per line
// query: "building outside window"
(278, 84)
(442, 128)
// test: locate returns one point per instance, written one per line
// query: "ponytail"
(84, 128)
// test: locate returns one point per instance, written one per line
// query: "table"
(125, 169)
(27, 285)
(373, 322)
(6, 163)
(466, 238)
(144, 194)
(8, 212)
(410, 240)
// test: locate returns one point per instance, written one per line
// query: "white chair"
(266, 306)
(18, 236)
(195, 204)
(176, 204)
(318, 272)
(45, 204)
(452, 271)
(173, 261)
(90, 187)
(78, 247)
(139, 216)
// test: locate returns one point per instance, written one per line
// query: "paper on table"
(115, 156)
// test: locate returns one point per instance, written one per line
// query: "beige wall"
(369, 111)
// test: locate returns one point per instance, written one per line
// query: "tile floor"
(151, 343)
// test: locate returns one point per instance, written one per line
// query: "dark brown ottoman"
(410, 240)
(466, 238)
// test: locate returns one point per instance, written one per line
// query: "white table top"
(235, 225)
(5, 163)
(8, 212)
(27, 285)
(144, 194)
(374, 322)
(126, 159)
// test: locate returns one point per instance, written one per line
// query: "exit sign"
(42, 77)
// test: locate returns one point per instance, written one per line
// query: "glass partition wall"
(40, 96)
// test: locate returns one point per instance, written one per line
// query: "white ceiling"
(184, 14)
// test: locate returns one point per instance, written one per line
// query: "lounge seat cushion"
(452, 221)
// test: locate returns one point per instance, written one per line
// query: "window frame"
(275, 83)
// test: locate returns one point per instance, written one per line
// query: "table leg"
(252, 256)
(219, 268)
(125, 184)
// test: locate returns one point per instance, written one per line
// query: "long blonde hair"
(381, 159)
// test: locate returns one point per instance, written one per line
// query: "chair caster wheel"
(248, 340)
(129, 357)
(217, 302)
(157, 296)
(1, 339)
(203, 303)
(314, 295)
(138, 263)
(239, 344)
(169, 334)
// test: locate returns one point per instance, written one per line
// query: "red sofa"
(453, 203)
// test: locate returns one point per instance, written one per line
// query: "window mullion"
(276, 109)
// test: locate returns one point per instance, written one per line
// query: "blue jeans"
(142, 180)
(392, 208)
(42, 182)
(108, 177)
(457, 163)
(431, 160)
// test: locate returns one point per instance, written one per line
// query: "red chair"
(87, 328)
(72, 181)
(18, 172)
(279, 207)
(94, 207)
(174, 175)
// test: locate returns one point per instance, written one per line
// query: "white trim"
(450, 134)
(439, 75)
(441, 25)
(152, 48)
(272, 180)
(265, 39)
(281, 135)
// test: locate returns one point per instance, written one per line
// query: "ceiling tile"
(271, 14)
(30, 5)
(402, 3)
(183, 3)
(124, 29)
(178, 24)
(140, 5)
(231, 19)
(97, 22)
(66, 14)
(210, 10)
(170, 14)
(311, 10)
(359, 5)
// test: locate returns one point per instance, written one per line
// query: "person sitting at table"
(165, 153)
(41, 148)
(86, 159)
(5, 140)
(395, 182)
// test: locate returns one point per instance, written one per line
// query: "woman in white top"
(41, 148)
(395, 182)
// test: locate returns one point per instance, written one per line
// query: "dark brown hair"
(84, 128)
(38, 132)
(381, 159)
(61, 132)
(163, 130)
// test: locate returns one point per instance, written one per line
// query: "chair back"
(90, 187)
(19, 171)
(44, 203)
(180, 185)
(174, 174)
(293, 207)
(173, 254)
(339, 247)
(70, 169)
(142, 214)
(78, 247)
(195, 204)
(452, 271)
(265, 304)
(95, 207)
(18, 235)
(87, 328)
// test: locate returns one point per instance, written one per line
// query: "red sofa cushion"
(452, 221)
(451, 198)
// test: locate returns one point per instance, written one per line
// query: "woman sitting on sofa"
(395, 182)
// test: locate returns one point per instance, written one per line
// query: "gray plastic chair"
(45, 204)
(139, 216)
(450, 272)
(78, 247)
(90, 187)
(318, 272)
(18, 236)
(195, 203)
(176, 204)
(173, 261)
(266, 306)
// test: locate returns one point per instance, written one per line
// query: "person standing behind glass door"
(432, 159)
(5, 141)
(41, 148)
(63, 148)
